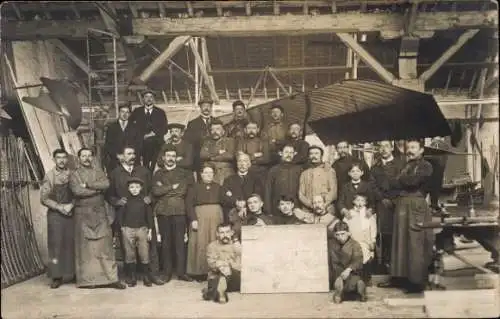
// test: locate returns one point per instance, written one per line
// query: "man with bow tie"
(384, 173)
(352, 188)
(198, 130)
(118, 134)
(151, 124)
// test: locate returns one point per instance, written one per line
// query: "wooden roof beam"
(161, 8)
(204, 72)
(258, 25)
(73, 57)
(14, 6)
(366, 57)
(75, 10)
(133, 9)
(448, 54)
(173, 47)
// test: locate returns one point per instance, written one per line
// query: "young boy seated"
(322, 212)
(287, 211)
(346, 262)
(363, 228)
(250, 215)
(136, 220)
(224, 263)
(356, 186)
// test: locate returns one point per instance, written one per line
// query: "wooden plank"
(349, 41)
(284, 258)
(448, 54)
(258, 25)
(172, 48)
(482, 303)
(204, 73)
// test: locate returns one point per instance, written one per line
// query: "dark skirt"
(411, 247)
(61, 245)
(209, 216)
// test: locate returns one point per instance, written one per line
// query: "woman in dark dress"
(204, 210)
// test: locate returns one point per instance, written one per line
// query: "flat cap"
(205, 101)
(147, 91)
(168, 148)
(135, 180)
(176, 125)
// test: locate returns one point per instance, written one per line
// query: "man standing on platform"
(95, 256)
(318, 179)
(170, 185)
(183, 148)
(301, 147)
(283, 179)
(151, 125)
(384, 173)
(117, 196)
(257, 148)
(236, 128)
(118, 134)
(343, 165)
(198, 130)
(56, 195)
(411, 247)
(219, 150)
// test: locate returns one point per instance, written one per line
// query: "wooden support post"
(73, 57)
(161, 8)
(108, 20)
(172, 48)
(189, 7)
(111, 6)
(448, 54)
(334, 6)
(206, 60)
(165, 98)
(366, 57)
(133, 9)
(204, 72)
(248, 8)
(177, 99)
(227, 94)
(75, 10)
(219, 9)
(239, 94)
(305, 8)
(16, 10)
(276, 8)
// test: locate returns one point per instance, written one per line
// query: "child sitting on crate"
(346, 262)
(363, 228)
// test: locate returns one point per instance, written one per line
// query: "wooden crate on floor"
(284, 259)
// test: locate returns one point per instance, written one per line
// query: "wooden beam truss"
(204, 73)
(73, 57)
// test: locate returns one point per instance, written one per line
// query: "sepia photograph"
(249, 159)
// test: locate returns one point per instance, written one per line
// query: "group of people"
(193, 191)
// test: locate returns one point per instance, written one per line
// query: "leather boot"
(131, 278)
(146, 275)
(153, 278)
(361, 290)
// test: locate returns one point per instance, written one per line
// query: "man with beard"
(95, 258)
(219, 150)
(283, 178)
(170, 185)
(343, 165)
(317, 179)
(117, 196)
(384, 173)
(238, 187)
(411, 247)
(118, 134)
(257, 148)
(236, 128)
(151, 125)
(320, 213)
(224, 262)
(56, 195)
(198, 130)
(301, 147)
(276, 130)
(184, 149)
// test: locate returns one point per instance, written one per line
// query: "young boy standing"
(354, 187)
(136, 220)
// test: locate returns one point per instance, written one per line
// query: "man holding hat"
(198, 130)
(151, 124)
(183, 148)
(236, 128)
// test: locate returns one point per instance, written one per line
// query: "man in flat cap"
(151, 124)
(198, 130)
(236, 128)
(220, 151)
(183, 148)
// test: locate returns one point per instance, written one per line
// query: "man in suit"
(198, 130)
(183, 149)
(118, 134)
(151, 125)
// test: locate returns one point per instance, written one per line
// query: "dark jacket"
(184, 150)
(348, 255)
(116, 138)
(157, 123)
(414, 178)
(342, 167)
(348, 193)
(283, 179)
(236, 188)
(171, 201)
(196, 132)
(136, 213)
(384, 178)
(118, 179)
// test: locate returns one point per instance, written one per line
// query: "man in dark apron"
(56, 195)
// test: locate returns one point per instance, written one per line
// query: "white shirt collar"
(242, 175)
(385, 161)
(170, 168)
(148, 109)
(128, 168)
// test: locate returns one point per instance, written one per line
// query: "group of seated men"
(245, 176)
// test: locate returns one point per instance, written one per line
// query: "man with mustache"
(198, 130)
(256, 147)
(117, 196)
(384, 173)
(275, 131)
(151, 125)
(236, 128)
(282, 179)
(412, 247)
(55, 194)
(219, 150)
(183, 148)
(301, 147)
(170, 185)
(95, 256)
(318, 179)
(224, 262)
